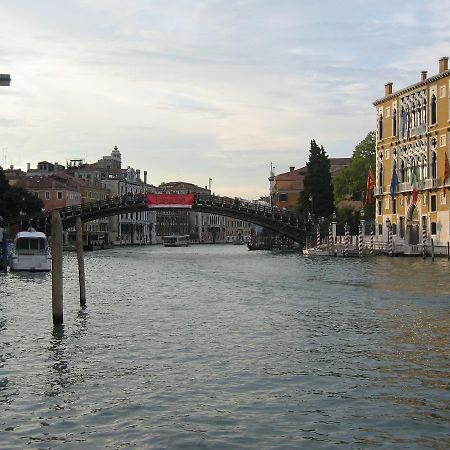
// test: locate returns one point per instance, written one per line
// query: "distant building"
(107, 172)
(131, 228)
(45, 168)
(412, 183)
(286, 187)
(13, 174)
(181, 221)
(203, 228)
(54, 191)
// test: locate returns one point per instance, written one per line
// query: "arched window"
(433, 109)
(420, 168)
(380, 175)
(433, 165)
(380, 127)
(413, 169)
(403, 122)
(424, 112)
(418, 113)
(394, 123)
(402, 171)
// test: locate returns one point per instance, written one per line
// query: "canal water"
(216, 347)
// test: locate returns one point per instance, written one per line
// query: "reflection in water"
(59, 374)
(185, 349)
(413, 275)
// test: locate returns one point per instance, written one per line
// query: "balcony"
(420, 129)
(431, 183)
(422, 185)
(404, 187)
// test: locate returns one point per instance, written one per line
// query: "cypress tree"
(317, 195)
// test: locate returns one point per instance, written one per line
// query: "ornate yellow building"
(412, 175)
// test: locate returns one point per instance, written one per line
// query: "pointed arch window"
(394, 123)
(380, 175)
(403, 122)
(433, 165)
(402, 171)
(433, 109)
(380, 127)
(413, 169)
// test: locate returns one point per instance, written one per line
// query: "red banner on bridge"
(170, 200)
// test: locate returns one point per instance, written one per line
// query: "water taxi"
(176, 241)
(30, 252)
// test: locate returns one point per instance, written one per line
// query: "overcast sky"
(190, 90)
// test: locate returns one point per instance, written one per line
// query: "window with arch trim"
(380, 127)
(433, 172)
(433, 115)
(394, 122)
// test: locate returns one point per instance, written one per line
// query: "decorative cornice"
(412, 87)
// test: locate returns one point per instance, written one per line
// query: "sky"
(192, 90)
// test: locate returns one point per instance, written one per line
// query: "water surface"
(215, 347)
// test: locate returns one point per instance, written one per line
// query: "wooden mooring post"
(80, 256)
(57, 269)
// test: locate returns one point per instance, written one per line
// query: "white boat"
(176, 241)
(316, 251)
(31, 252)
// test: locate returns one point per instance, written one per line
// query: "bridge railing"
(127, 200)
(273, 212)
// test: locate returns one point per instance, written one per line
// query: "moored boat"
(31, 252)
(176, 241)
(316, 251)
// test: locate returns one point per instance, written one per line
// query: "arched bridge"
(272, 218)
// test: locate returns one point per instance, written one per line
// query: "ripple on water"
(216, 347)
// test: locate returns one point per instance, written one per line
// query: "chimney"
(28, 167)
(291, 168)
(138, 174)
(423, 75)
(443, 64)
(11, 167)
(145, 177)
(388, 89)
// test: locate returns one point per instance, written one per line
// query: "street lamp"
(45, 221)
(22, 215)
(5, 79)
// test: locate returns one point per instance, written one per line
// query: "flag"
(446, 173)
(414, 187)
(394, 180)
(369, 186)
(170, 200)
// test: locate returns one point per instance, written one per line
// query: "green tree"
(351, 181)
(13, 200)
(317, 194)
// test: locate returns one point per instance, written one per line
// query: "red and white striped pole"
(371, 240)
(360, 241)
(347, 239)
(330, 239)
(318, 236)
(389, 236)
(424, 238)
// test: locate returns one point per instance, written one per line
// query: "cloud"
(198, 89)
